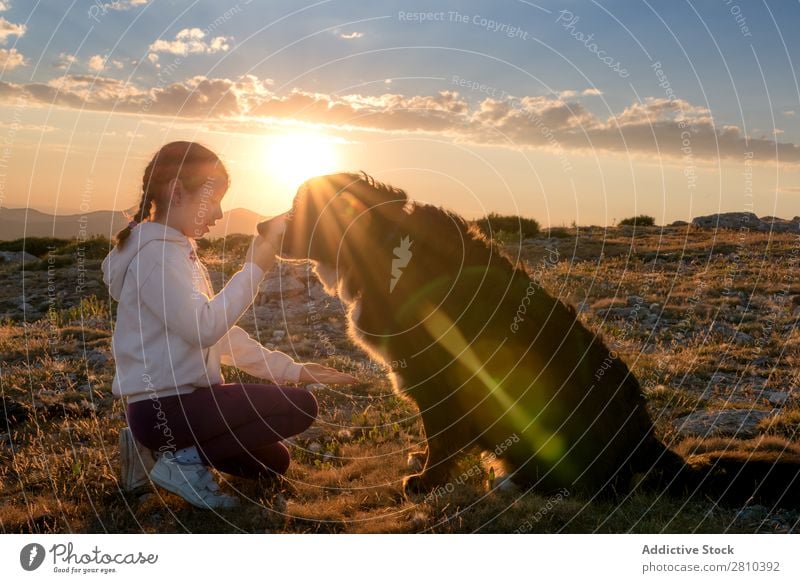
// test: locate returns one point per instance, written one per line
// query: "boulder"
(734, 220)
(18, 257)
(281, 286)
(739, 220)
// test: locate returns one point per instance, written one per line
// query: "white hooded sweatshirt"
(171, 331)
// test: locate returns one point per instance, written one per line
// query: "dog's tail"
(731, 472)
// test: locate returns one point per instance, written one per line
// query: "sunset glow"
(293, 158)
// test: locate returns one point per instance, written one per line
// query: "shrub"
(512, 226)
(639, 221)
(38, 246)
(559, 233)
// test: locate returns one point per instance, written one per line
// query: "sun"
(295, 157)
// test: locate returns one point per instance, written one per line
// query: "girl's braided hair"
(189, 162)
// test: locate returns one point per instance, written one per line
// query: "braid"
(143, 213)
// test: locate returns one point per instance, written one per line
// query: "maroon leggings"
(237, 428)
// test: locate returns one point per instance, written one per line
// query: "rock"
(97, 358)
(744, 220)
(654, 307)
(751, 513)
(18, 257)
(281, 287)
(317, 292)
(734, 220)
(741, 423)
(316, 386)
(635, 300)
(315, 447)
(776, 398)
(278, 335)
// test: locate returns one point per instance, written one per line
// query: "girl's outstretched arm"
(241, 350)
(172, 291)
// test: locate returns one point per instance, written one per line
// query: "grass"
(59, 422)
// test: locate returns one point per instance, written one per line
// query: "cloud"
(97, 63)
(592, 91)
(4, 5)
(351, 35)
(8, 29)
(122, 5)
(191, 41)
(655, 127)
(11, 59)
(65, 61)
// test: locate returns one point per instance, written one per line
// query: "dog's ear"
(382, 201)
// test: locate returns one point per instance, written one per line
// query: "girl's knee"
(308, 405)
(275, 457)
(281, 462)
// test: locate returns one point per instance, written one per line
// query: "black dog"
(491, 357)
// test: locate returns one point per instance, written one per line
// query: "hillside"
(16, 223)
(706, 319)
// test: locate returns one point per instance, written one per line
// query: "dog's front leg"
(443, 445)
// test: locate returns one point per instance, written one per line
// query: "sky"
(567, 112)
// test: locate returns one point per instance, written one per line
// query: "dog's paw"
(416, 460)
(416, 484)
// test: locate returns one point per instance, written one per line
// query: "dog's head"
(341, 220)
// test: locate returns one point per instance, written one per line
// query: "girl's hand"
(273, 229)
(265, 245)
(261, 252)
(317, 373)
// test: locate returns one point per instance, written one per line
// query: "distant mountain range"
(16, 223)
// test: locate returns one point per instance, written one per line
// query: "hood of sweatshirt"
(116, 263)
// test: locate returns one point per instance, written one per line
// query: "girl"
(172, 333)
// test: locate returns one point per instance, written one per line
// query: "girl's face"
(195, 212)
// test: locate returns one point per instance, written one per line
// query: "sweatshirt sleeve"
(241, 350)
(172, 291)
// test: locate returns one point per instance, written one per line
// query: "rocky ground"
(706, 318)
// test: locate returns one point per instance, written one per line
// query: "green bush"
(559, 233)
(38, 246)
(95, 247)
(639, 221)
(511, 225)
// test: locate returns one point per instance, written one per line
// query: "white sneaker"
(136, 461)
(192, 482)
